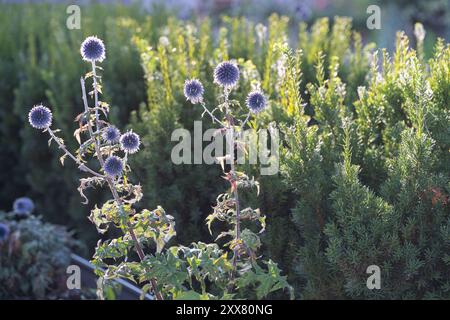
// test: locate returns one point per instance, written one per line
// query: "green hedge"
(372, 181)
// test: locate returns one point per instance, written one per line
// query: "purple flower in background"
(129, 142)
(256, 101)
(193, 90)
(40, 117)
(226, 74)
(92, 49)
(111, 135)
(113, 166)
(23, 206)
(4, 232)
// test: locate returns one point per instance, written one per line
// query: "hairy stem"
(110, 182)
(81, 165)
(244, 123)
(95, 86)
(138, 247)
(230, 136)
(213, 118)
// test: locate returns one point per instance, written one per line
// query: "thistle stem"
(81, 165)
(245, 122)
(213, 118)
(230, 131)
(110, 182)
(95, 84)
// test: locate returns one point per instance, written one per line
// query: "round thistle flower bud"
(193, 90)
(129, 142)
(40, 117)
(92, 49)
(113, 166)
(256, 101)
(111, 135)
(226, 74)
(4, 232)
(23, 206)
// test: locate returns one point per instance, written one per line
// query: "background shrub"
(388, 203)
(34, 258)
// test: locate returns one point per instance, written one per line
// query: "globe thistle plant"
(193, 91)
(92, 49)
(226, 74)
(228, 205)
(113, 166)
(256, 101)
(4, 232)
(23, 206)
(111, 135)
(129, 142)
(40, 117)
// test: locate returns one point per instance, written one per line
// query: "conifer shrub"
(372, 180)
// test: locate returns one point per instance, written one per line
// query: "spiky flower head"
(92, 49)
(193, 90)
(111, 135)
(226, 74)
(23, 206)
(4, 232)
(40, 117)
(129, 142)
(113, 166)
(256, 101)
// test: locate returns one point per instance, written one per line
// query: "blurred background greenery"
(40, 62)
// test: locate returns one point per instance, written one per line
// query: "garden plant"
(34, 255)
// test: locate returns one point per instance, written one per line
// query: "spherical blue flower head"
(92, 49)
(40, 117)
(226, 74)
(129, 142)
(193, 90)
(256, 101)
(113, 166)
(23, 206)
(4, 232)
(111, 135)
